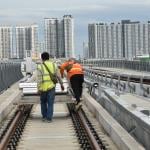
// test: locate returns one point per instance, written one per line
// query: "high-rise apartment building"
(26, 40)
(20, 41)
(59, 36)
(122, 40)
(85, 50)
(6, 42)
(51, 36)
(137, 39)
(68, 24)
(104, 40)
(92, 30)
(34, 38)
(114, 36)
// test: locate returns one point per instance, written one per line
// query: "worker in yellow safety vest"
(47, 76)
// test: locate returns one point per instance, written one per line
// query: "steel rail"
(87, 136)
(4, 142)
(85, 130)
(94, 144)
(15, 128)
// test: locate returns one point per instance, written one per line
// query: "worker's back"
(72, 67)
(46, 82)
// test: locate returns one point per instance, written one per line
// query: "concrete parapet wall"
(8, 100)
(120, 136)
(132, 120)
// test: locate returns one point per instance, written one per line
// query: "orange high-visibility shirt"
(75, 68)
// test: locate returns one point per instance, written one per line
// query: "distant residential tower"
(59, 36)
(6, 42)
(116, 41)
(26, 40)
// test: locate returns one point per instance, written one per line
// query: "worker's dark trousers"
(76, 82)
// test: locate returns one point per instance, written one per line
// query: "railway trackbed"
(69, 130)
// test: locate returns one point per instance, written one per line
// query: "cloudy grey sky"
(83, 11)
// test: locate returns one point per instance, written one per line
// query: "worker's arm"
(62, 68)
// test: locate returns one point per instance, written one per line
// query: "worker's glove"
(62, 88)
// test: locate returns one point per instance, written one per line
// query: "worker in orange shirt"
(75, 75)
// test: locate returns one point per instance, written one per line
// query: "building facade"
(6, 42)
(104, 40)
(26, 39)
(34, 38)
(116, 41)
(59, 36)
(92, 40)
(68, 24)
(85, 50)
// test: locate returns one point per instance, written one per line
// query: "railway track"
(69, 130)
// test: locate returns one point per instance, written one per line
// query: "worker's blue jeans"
(47, 103)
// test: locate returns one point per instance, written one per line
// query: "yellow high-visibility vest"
(44, 81)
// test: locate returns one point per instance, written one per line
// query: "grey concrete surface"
(118, 134)
(126, 109)
(57, 135)
(7, 100)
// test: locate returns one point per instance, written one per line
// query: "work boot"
(49, 120)
(73, 100)
(44, 119)
(78, 106)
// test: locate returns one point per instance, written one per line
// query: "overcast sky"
(83, 11)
